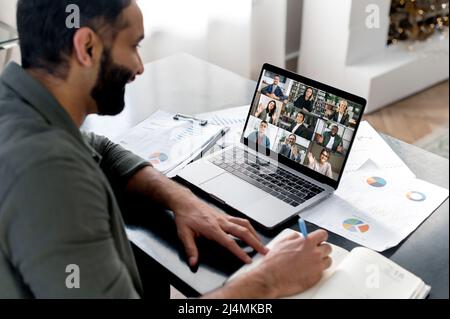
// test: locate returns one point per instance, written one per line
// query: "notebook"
(359, 274)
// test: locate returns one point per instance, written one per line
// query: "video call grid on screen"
(308, 125)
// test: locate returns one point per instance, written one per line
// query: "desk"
(184, 83)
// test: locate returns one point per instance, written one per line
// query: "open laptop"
(292, 153)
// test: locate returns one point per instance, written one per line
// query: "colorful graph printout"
(158, 157)
(376, 181)
(416, 196)
(355, 225)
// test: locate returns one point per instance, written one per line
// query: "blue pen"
(302, 226)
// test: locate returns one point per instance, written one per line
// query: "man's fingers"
(223, 239)
(244, 223)
(327, 261)
(326, 249)
(246, 235)
(317, 237)
(289, 237)
(293, 235)
(288, 240)
(188, 239)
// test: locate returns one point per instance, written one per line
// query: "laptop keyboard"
(272, 179)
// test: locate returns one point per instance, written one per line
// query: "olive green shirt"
(57, 202)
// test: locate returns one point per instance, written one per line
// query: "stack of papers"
(369, 145)
(379, 202)
(375, 209)
(167, 143)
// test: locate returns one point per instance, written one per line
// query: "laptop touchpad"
(234, 191)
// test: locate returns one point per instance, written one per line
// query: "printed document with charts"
(166, 143)
(359, 274)
(234, 118)
(378, 203)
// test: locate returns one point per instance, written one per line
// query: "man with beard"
(59, 193)
(273, 90)
(332, 140)
(286, 147)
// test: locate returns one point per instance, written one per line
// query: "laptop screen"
(304, 122)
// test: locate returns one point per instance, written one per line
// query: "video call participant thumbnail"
(285, 148)
(274, 90)
(267, 113)
(259, 136)
(331, 140)
(299, 128)
(322, 165)
(341, 115)
(305, 101)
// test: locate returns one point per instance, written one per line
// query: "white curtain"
(238, 35)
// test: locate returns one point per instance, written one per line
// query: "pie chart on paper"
(355, 225)
(376, 181)
(416, 196)
(157, 158)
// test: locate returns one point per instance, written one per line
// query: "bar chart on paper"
(229, 117)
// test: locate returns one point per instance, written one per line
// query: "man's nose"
(141, 68)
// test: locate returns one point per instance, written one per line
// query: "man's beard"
(109, 91)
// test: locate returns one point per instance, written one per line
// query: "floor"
(414, 117)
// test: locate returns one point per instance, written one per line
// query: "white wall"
(239, 37)
(8, 16)
(8, 11)
(268, 34)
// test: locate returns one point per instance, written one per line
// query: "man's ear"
(85, 45)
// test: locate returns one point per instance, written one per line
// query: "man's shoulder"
(30, 140)
(29, 145)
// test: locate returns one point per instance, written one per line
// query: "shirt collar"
(42, 101)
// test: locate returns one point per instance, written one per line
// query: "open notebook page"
(365, 274)
(337, 255)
